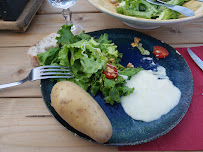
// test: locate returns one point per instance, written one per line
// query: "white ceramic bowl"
(107, 7)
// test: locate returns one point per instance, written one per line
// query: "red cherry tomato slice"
(111, 71)
(160, 52)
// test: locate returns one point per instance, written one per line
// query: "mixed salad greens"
(94, 63)
(143, 9)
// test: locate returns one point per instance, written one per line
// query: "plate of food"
(127, 88)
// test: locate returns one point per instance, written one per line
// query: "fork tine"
(51, 77)
(52, 66)
(45, 70)
(55, 73)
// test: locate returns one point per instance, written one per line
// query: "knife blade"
(196, 59)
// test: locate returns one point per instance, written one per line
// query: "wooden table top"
(25, 123)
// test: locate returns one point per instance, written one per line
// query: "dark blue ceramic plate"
(127, 131)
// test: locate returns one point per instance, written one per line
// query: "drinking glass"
(67, 13)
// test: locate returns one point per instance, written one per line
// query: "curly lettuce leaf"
(49, 57)
(130, 71)
(124, 90)
(83, 36)
(168, 14)
(92, 65)
(104, 39)
(138, 8)
(66, 36)
(113, 89)
(64, 57)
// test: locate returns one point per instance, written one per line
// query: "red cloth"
(188, 134)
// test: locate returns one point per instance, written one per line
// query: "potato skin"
(81, 111)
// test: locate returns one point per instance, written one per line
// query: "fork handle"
(13, 83)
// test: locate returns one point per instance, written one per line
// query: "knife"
(197, 60)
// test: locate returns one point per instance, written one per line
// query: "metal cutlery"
(183, 10)
(42, 72)
(196, 59)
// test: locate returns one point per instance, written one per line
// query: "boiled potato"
(81, 111)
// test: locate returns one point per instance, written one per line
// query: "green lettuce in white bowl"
(143, 15)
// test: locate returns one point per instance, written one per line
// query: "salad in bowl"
(143, 15)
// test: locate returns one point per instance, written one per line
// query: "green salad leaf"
(66, 36)
(49, 57)
(87, 57)
(144, 9)
(130, 71)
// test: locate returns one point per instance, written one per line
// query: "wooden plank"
(82, 6)
(42, 25)
(23, 21)
(15, 66)
(26, 125)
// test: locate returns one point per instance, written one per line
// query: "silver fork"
(183, 10)
(42, 72)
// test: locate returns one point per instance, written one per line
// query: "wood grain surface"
(43, 25)
(25, 123)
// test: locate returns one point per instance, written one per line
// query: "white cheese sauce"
(154, 95)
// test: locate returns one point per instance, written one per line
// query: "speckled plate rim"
(140, 141)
